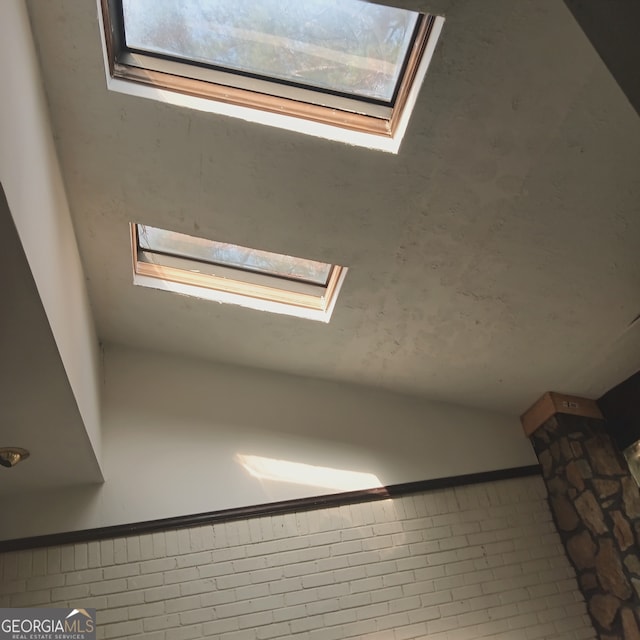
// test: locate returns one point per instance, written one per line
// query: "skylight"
(234, 274)
(350, 48)
(349, 65)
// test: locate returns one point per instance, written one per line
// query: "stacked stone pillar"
(596, 506)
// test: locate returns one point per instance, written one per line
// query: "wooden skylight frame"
(224, 283)
(361, 121)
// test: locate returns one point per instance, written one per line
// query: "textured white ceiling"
(495, 257)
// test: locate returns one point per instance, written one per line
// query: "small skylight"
(234, 274)
(350, 65)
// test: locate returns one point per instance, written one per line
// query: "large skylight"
(346, 66)
(234, 274)
(352, 48)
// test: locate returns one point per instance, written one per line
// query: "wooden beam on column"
(551, 403)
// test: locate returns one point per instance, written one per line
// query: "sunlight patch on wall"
(307, 474)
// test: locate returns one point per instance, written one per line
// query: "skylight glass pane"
(349, 47)
(231, 255)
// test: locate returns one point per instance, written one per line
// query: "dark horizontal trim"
(269, 509)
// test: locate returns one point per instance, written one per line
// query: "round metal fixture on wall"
(10, 456)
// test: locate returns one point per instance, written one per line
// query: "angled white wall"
(31, 178)
(176, 430)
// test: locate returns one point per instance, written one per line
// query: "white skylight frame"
(232, 285)
(381, 129)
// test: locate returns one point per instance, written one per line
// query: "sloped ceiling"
(495, 257)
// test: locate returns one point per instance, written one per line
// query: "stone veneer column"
(596, 506)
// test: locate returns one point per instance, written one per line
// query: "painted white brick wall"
(481, 561)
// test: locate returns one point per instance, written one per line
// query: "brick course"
(480, 561)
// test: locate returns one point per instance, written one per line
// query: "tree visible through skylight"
(232, 255)
(343, 46)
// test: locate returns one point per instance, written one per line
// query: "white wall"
(30, 176)
(482, 561)
(38, 410)
(174, 428)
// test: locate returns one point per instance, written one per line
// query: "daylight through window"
(231, 273)
(350, 48)
(349, 64)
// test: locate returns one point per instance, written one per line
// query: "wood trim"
(133, 230)
(551, 403)
(253, 100)
(108, 34)
(419, 46)
(269, 509)
(237, 287)
(332, 283)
